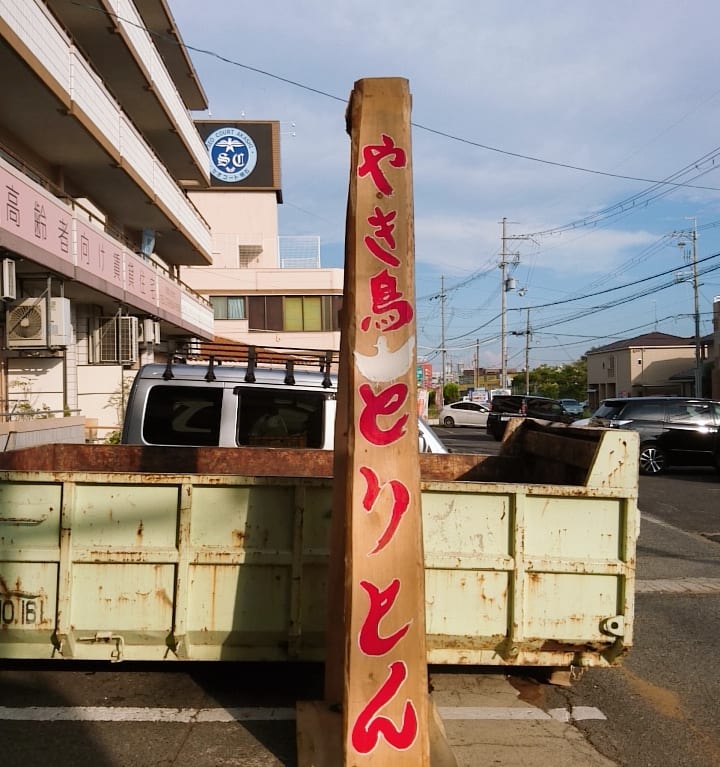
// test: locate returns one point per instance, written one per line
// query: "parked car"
(464, 413)
(674, 431)
(572, 406)
(507, 406)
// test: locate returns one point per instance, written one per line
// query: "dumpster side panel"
(29, 550)
(132, 600)
(527, 574)
(112, 516)
(29, 516)
(139, 566)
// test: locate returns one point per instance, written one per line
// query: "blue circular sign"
(233, 154)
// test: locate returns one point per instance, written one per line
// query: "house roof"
(688, 374)
(646, 340)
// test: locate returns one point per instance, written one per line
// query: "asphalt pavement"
(488, 724)
(487, 720)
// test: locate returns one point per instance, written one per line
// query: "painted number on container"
(23, 610)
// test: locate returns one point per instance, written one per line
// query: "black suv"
(674, 431)
(507, 406)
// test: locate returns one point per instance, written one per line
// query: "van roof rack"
(218, 352)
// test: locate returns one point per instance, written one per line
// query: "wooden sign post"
(385, 665)
(376, 665)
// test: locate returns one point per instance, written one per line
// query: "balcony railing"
(80, 88)
(62, 237)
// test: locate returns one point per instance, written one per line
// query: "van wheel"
(448, 421)
(652, 459)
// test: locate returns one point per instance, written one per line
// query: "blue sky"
(559, 117)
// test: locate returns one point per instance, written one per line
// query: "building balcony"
(49, 237)
(138, 53)
(123, 157)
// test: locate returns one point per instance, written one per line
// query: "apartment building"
(265, 290)
(119, 243)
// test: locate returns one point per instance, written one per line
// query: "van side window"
(279, 418)
(183, 415)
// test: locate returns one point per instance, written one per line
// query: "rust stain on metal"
(163, 597)
(242, 461)
(213, 592)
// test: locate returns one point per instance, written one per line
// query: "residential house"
(715, 376)
(652, 363)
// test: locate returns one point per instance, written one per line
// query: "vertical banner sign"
(385, 698)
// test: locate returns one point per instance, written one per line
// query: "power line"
(585, 311)
(617, 287)
(434, 131)
(629, 204)
(620, 301)
(560, 164)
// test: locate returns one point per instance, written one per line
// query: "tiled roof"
(647, 339)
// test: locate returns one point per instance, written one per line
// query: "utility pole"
(508, 284)
(527, 354)
(477, 364)
(696, 312)
(696, 307)
(527, 333)
(442, 337)
(503, 322)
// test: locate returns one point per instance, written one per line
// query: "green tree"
(561, 381)
(451, 393)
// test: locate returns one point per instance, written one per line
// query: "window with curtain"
(294, 313)
(228, 307)
(311, 313)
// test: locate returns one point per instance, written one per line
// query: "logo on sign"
(233, 154)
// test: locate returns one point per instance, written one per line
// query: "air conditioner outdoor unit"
(27, 327)
(150, 331)
(7, 280)
(118, 340)
(128, 340)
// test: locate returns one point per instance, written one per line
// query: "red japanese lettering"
(401, 501)
(382, 222)
(372, 154)
(386, 402)
(388, 300)
(380, 253)
(381, 602)
(368, 726)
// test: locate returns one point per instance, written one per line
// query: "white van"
(237, 406)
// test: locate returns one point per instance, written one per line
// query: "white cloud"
(620, 87)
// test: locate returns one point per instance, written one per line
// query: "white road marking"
(131, 714)
(248, 714)
(574, 714)
(678, 586)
